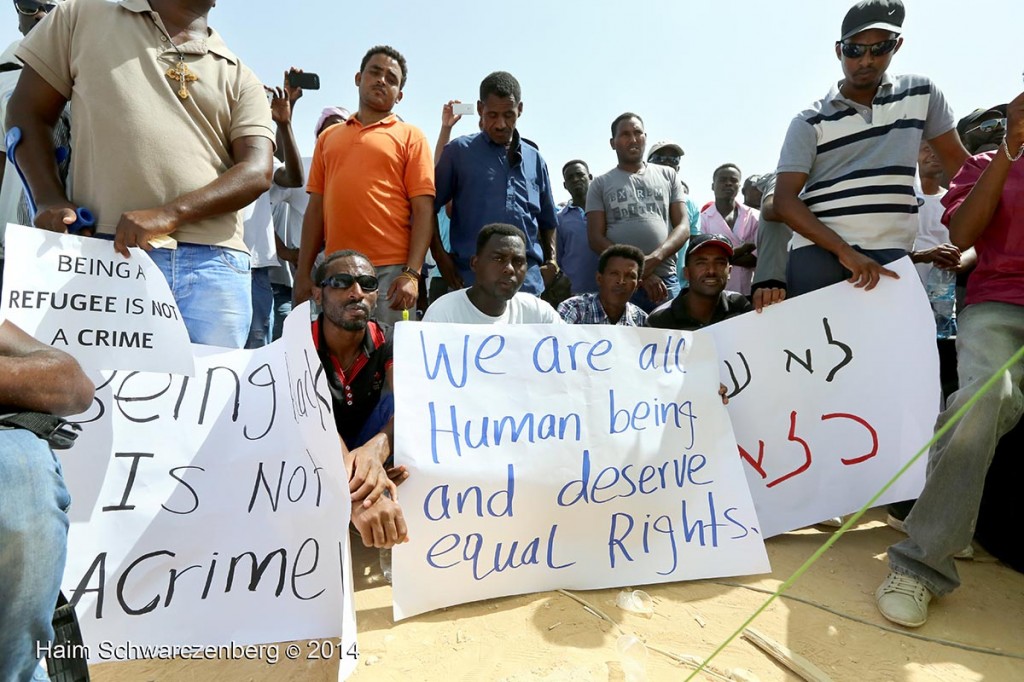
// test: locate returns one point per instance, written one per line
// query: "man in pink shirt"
(984, 209)
(735, 221)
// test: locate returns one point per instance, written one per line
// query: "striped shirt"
(860, 161)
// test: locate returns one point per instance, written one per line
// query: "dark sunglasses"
(671, 161)
(343, 280)
(855, 50)
(992, 125)
(30, 8)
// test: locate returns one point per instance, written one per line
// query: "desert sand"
(830, 619)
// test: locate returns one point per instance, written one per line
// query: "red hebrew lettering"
(807, 450)
(760, 458)
(862, 422)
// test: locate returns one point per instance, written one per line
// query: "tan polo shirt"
(135, 143)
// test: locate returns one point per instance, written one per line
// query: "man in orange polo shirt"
(371, 189)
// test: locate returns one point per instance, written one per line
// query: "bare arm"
(36, 377)
(35, 108)
(597, 231)
(977, 209)
(677, 237)
(291, 174)
(309, 246)
(232, 191)
(950, 151)
(448, 121)
(404, 290)
(793, 211)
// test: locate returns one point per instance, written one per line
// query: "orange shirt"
(367, 176)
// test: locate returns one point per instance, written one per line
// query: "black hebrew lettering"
(732, 375)
(806, 364)
(847, 351)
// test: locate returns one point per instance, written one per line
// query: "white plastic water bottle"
(941, 289)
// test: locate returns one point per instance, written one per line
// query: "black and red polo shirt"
(355, 394)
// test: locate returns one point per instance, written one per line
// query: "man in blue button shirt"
(575, 258)
(495, 176)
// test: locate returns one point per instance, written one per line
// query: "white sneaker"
(903, 599)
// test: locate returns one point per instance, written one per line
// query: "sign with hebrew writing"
(557, 456)
(212, 511)
(80, 296)
(831, 394)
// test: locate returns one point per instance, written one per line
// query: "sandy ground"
(549, 636)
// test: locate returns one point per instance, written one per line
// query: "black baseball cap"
(868, 14)
(701, 241)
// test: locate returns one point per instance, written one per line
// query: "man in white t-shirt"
(499, 268)
(932, 248)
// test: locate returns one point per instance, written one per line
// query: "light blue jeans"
(262, 309)
(33, 547)
(943, 519)
(212, 287)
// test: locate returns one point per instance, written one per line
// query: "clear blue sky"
(721, 79)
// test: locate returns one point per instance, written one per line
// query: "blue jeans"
(282, 306)
(211, 285)
(811, 268)
(262, 309)
(943, 518)
(641, 299)
(33, 547)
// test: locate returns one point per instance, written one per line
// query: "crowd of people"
(187, 155)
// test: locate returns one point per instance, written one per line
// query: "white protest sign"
(212, 511)
(831, 394)
(556, 456)
(79, 295)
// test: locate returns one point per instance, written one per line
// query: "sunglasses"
(855, 50)
(30, 8)
(992, 125)
(343, 280)
(659, 160)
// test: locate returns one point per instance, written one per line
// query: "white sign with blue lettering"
(560, 456)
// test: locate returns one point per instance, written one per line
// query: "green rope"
(869, 504)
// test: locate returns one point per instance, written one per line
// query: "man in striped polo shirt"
(845, 179)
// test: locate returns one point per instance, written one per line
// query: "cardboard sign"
(80, 296)
(212, 511)
(556, 456)
(831, 394)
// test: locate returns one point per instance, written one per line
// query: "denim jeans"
(944, 516)
(262, 309)
(33, 547)
(211, 285)
(811, 268)
(282, 306)
(641, 299)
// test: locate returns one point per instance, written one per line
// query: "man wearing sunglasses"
(845, 180)
(357, 360)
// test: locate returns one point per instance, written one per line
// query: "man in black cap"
(845, 179)
(705, 301)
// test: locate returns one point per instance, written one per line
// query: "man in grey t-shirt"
(642, 205)
(772, 239)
